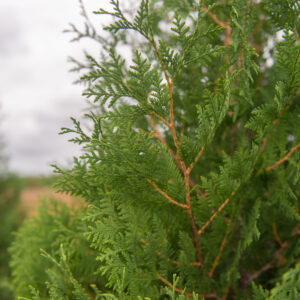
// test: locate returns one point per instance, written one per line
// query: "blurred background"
(37, 98)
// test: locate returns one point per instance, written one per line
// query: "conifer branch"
(152, 42)
(283, 159)
(263, 145)
(190, 168)
(296, 230)
(190, 295)
(158, 136)
(170, 88)
(200, 231)
(278, 256)
(173, 261)
(258, 272)
(171, 116)
(187, 182)
(216, 261)
(160, 118)
(220, 23)
(181, 132)
(225, 294)
(191, 218)
(296, 34)
(214, 17)
(166, 195)
(162, 140)
(267, 266)
(199, 192)
(275, 233)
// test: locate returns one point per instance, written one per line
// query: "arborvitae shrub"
(191, 171)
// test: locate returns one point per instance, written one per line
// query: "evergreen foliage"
(191, 170)
(10, 187)
(9, 196)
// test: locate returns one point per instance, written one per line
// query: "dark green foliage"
(191, 167)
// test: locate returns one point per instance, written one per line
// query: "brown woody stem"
(211, 272)
(191, 218)
(200, 231)
(160, 118)
(220, 23)
(158, 136)
(181, 165)
(277, 257)
(283, 159)
(275, 233)
(173, 261)
(190, 168)
(190, 295)
(166, 195)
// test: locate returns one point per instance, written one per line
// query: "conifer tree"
(190, 174)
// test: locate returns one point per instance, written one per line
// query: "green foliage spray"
(190, 174)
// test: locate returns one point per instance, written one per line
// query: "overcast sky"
(37, 96)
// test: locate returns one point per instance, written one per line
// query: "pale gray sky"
(37, 96)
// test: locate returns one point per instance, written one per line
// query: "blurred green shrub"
(10, 218)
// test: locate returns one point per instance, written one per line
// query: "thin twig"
(278, 256)
(275, 233)
(296, 230)
(200, 231)
(152, 42)
(269, 265)
(190, 295)
(182, 132)
(166, 195)
(225, 294)
(220, 23)
(179, 162)
(160, 118)
(214, 18)
(211, 272)
(173, 261)
(199, 192)
(261, 270)
(190, 168)
(171, 116)
(158, 136)
(296, 34)
(191, 218)
(263, 145)
(283, 159)
(170, 88)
